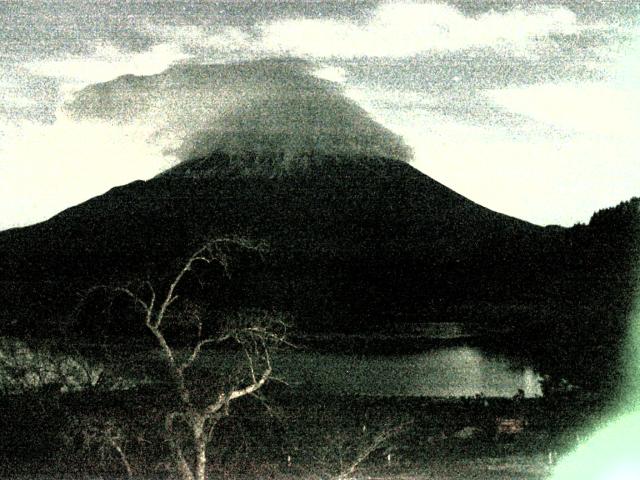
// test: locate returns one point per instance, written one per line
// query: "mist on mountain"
(268, 109)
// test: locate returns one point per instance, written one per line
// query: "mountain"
(356, 245)
(361, 237)
(359, 240)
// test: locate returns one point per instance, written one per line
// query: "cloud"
(406, 29)
(275, 108)
(399, 29)
(331, 73)
(108, 62)
(198, 38)
(609, 106)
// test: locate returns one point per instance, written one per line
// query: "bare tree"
(202, 399)
(344, 452)
(25, 368)
(107, 438)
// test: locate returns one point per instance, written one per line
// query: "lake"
(451, 371)
(443, 371)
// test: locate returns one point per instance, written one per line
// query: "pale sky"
(528, 108)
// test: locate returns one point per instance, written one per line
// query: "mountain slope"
(366, 227)
(356, 245)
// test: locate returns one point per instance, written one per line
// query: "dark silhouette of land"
(355, 245)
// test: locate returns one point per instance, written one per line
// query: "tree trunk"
(200, 443)
(183, 468)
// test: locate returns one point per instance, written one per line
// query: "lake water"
(441, 372)
(446, 371)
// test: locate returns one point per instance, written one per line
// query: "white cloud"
(108, 62)
(13, 99)
(405, 29)
(395, 30)
(221, 40)
(12, 93)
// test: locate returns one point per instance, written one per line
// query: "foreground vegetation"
(290, 433)
(196, 419)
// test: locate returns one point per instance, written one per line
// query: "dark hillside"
(356, 244)
(361, 241)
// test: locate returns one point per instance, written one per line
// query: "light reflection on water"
(442, 372)
(451, 371)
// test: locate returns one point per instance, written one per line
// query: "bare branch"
(252, 387)
(365, 451)
(152, 302)
(250, 363)
(164, 346)
(136, 299)
(114, 441)
(147, 308)
(204, 254)
(213, 408)
(195, 352)
(170, 297)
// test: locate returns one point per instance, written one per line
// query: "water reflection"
(451, 371)
(442, 372)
